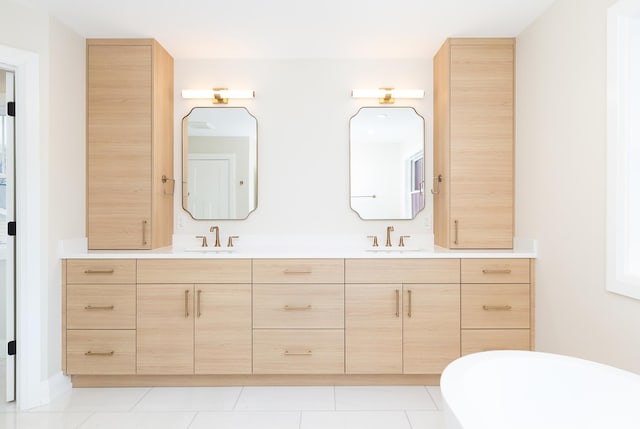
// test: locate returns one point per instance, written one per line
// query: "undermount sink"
(210, 250)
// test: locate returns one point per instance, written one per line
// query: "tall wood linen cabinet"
(129, 144)
(473, 143)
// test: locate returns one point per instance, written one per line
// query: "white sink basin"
(209, 250)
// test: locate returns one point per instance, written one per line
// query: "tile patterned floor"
(310, 407)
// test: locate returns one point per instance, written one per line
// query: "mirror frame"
(184, 152)
(424, 164)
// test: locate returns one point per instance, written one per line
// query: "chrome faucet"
(389, 229)
(216, 229)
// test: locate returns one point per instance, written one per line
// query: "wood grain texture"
(165, 332)
(532, 304)
(373, 329)
(84, 271)
(495, 270)
(298, 271)
(64, 316)
(223, 329)
(298, 305)
(121, 342)
(441, 149)
(431, 327)
(298, 351)
(122, 297)
(194, 271)
(481, 340)
(475, 296)
(402, 271)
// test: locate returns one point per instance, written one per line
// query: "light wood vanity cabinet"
(129, 144)
(402, 316)
(473, 143)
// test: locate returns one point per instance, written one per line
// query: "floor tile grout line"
(300, 419)
(86, 420)
(140, 400)
(235, 404)
(406, 413)
(432, 398)
(335, 400)
(193, 419)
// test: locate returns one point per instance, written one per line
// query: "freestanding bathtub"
(522, 390)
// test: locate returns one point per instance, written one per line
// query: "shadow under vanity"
(170, 317)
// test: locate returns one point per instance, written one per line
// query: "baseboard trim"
(254, 380)
(56, 385)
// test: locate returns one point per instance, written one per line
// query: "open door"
(7, 234)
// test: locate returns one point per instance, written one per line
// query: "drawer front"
(495, 305)
(298, 271)
(194, 271)
(101, 271)
(101, 306)
(105, 352)
(495, 271)
(284, 351)
(402, 271)
(482, 340)
(298, 306)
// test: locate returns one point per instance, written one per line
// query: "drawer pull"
(496, 307)
(397, 302)
(90, 353)
(296, 308)
(109, 271)
(186, 304)
(307, 353)
(503, 271)
(199, 300)
(98, 307)
(307, 271)
(409, 312)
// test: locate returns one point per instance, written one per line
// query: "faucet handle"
(402, 237)
(375, 240)
(230, 241)
(204, 240)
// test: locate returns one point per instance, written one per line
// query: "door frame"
(31, 240)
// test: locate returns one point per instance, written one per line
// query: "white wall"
(303, 109)
(560, 184)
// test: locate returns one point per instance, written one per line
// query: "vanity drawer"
(495, 271)
(101, 352)
(299, 351)
(482, 340)
(402, 271)
(298, 271)
(194, 271)
(495, 305)
(101, 306)
(101, 271)
(298, 306)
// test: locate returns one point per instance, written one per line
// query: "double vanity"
(173, 318)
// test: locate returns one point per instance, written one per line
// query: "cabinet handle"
(97, 307)
(90, 353)
(307, 353)
(397, 302)
(186, 303)
(144, 232)
(496, 307)
(303, 271)
(294, 308)
(455, 229)
(108, 271)
(504, 271)
(409, 311)
(199, 293)
(439, 180)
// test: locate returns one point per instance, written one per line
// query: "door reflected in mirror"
(219, 163)
(387, 163)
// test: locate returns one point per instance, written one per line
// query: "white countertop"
(298, 248)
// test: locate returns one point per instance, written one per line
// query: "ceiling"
(296, 28)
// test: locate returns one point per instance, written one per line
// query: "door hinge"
(11, 348)
(11, 108)
(11, 228)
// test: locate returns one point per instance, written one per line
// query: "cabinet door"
(373, 328)
(481, 144)
(119, 146)
(165, 328)
(431, 332)
(223, 329)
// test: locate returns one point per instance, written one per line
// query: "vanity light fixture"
(387, 95)
(219, 95)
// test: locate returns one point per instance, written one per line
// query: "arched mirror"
(219, 163)
(387, 163)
